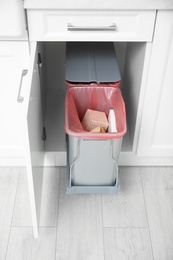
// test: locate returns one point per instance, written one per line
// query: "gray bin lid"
(91, 62)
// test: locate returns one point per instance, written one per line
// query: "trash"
(98, 129)
(102, 98)
(112, 122)
(93, 119)
(92, 84)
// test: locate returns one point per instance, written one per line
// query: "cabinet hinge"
(39, 60)
(44, 134)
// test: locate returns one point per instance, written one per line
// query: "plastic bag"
(89, 84)
(101, 98)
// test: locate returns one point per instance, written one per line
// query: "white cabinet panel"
(156, 138)
(12, 19)
(34, 145)
(13, 62)
(59, 25)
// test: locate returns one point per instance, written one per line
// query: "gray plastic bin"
(90, 172)
(92, 162)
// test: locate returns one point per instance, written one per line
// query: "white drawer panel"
(49, 25)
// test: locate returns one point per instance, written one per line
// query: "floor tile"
(79, 231)
(158, 191)
(137, 223)
(8, 186)
(50, 197)
(22, 213)
(127, 244)
(127, 208)
(49, 202)
(23, 246)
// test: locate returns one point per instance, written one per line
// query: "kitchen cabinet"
(155, 138)
(46, 98)
(131, 31)
(39, 74)
(137, 56)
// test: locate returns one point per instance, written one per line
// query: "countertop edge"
(99, 5)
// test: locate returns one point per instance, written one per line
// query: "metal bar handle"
(19, 97)
(71, 27)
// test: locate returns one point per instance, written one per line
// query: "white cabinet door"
(34, 145)
(156, 134)
(14, 58)
(21, 120)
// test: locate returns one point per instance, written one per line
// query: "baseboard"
(53, 159)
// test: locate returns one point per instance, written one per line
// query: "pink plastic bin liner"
(89, 84)
(101, 97)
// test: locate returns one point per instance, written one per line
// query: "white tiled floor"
(137, 223)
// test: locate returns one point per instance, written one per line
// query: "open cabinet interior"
(130, 57)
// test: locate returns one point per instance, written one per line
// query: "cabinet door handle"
(71, 27)
(19, 97)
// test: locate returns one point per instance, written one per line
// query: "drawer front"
(91, 25)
